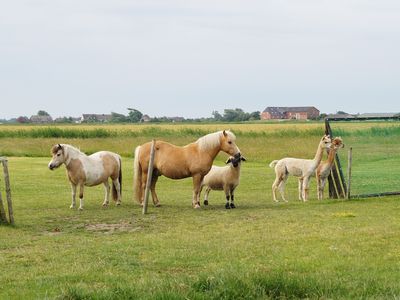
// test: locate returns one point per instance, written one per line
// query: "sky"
(189, 58)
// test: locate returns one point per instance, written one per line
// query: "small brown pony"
(89, 170)
(193, 160)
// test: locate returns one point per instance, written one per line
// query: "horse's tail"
(273, 163)
(114, 188)
(137, 176)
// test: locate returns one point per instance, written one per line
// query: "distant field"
(262, 250)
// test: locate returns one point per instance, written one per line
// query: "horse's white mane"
(211, 140)
(72, 148)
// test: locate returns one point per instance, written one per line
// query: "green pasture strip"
(260, 250)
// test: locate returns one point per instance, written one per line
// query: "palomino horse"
(193, 160)
(89, 170)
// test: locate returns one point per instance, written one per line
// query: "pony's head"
(58, 156)
(325, 142)
(235, 160)
(337, 143)
(227, 143)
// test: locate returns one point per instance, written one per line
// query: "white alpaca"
(224, 178)
(324, 169)
(301, 168)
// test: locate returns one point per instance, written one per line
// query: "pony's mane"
(211, 140)
(70, 147)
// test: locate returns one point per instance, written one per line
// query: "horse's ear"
(228, 161)
(224, 132)
(59, 146)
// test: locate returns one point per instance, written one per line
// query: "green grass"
(328, 249)
(262, 250)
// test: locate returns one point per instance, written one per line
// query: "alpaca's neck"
(331, 157)
(318, 156)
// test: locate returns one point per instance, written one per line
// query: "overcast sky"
(188, 58)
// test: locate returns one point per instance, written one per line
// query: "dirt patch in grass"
(112, 228)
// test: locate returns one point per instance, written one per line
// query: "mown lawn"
(327, 249)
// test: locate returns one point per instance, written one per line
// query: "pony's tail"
(137, 176)
(114, 189)
(273, 163)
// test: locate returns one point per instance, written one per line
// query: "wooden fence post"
(349, 162)
(3, 217)
(4, 161)
(149, 177)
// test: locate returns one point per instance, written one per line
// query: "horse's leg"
(117, 186)
(300, 188)
(81, 188)
(143, 187)
(197, 179)
(208, 189)
(154, 179)
(107, 193)
(73, 188)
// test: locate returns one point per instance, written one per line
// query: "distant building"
(290, 113)
(145, 118)
(100, 118)
(41, 119)
(341, 116)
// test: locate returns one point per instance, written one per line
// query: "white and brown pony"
(83, 170)
(193, 160)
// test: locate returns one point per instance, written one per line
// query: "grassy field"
(319, 249)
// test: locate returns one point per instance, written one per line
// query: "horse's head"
(58, 156)
(337, 143)
(235, 160)
(227, 142)
(325, 142)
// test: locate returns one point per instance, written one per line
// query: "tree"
(255, 115)
(42, 113)
(118, 118)
(217, 116)
(134, 116)
(23, 119)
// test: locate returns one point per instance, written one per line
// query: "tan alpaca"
(324, 169)
(301, 168)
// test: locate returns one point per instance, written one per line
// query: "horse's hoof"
(197, 206)
(118, 203)
(157, 205)
(227, 206)
(205, 202)
(80, 208)
(233, 205)
(105, 205)
(72, 207)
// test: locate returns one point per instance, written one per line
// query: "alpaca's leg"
(208, 189)
(73, 188)
(197, 179)
(81, 202)
(306, 187)
(275, 186)
(322, 187)
(107, 193)
(300, 188)
(282, 188)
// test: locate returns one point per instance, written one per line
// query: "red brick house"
(290, 113)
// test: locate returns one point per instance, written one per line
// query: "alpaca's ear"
(242, 158)
(228, 161)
